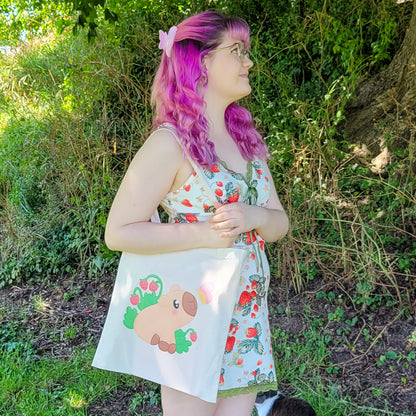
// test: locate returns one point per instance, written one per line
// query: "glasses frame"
(241, 51)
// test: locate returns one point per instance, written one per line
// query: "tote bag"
(169, 316)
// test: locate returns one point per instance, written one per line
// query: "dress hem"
(257, 388)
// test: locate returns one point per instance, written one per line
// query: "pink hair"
(178, 89)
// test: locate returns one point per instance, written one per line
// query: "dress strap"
(212, 198)
(195, 166)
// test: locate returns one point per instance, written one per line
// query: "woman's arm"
(149, 178)
(272, 223)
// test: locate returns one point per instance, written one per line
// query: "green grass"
(41, 386)
(32, 385)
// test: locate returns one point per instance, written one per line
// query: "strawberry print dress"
(247, 365)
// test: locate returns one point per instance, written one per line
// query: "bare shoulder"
(161, 149)
(163, 144)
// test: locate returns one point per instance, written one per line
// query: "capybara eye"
(176, 304)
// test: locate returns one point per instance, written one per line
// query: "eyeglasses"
(236, 49)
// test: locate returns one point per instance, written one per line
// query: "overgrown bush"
(76, 112)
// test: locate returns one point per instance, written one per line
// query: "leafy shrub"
(76, 112)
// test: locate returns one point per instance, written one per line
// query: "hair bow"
(167, 39)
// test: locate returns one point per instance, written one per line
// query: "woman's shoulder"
(163, 140)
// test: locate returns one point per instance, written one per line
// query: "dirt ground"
(54, 309)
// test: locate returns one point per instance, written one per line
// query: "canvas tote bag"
(169, 316)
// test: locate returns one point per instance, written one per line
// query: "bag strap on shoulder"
(167, 126)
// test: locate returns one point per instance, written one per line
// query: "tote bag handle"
(167, 126)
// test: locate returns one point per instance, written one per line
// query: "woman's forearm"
(152, 238)
(273, 224)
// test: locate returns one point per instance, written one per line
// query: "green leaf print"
(182, 344)
(257, 326)
(262, 378)
(259, 347)
(148, 299)
(261, 286)
(129, 317)
(246, 346)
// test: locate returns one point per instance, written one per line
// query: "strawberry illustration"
(153, 287)
(233, 198)
(219, 192)
(220, 184)
(251, 332)
(187, 188)
(191, 218)
(193, 337)
(134, 300)
(214, 168)
(245, 298)
(261, 242)
(248, 238)
(240, 361)
(230, 344)
(144, 284)
(256, 307)
(186, 203)
(221, 379)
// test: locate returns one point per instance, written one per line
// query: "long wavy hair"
(179, 86)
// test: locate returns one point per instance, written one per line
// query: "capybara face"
(189, 304)
(178, 306)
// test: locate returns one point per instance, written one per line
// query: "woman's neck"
(215, 114)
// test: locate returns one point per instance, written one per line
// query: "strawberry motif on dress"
(209, 208)
(243, 363)
(232, 193)
(261, 378)
(185, 218)
(219, 192)
(252, 341)
(186, 203)
(210, 173)
(253, 295)
(221, 377)
(258, 168)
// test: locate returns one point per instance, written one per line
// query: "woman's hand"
(216, 238)
(230, 220)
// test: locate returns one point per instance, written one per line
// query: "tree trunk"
(382, 117)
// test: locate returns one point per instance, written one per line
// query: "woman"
(203, 72)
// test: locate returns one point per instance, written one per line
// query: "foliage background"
(73, 112)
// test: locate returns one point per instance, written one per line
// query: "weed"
(151, 396)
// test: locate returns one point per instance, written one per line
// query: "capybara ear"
(175, 288)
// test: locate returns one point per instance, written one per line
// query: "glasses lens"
(242, 53)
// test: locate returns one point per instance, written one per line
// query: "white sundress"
(247, 365)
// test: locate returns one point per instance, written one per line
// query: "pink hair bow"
(167, 39)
